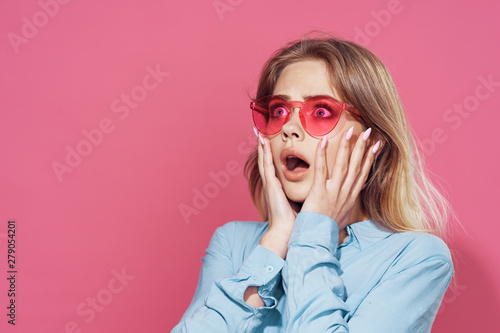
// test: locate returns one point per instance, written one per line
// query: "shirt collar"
(365, 234)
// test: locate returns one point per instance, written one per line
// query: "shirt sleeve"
(405, 300)
(218, 304)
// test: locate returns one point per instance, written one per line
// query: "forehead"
(305, 78)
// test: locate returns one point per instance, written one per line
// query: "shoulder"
(235, 240)
(420, 252)
(416, 245)
(240, 232)
(423, 246)
(240, 228)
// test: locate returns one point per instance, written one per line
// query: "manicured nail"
(255, 131)
(364, 186)
(375, 148)
(349, 133)
(261, 140)
(366, 135)
(323, 142)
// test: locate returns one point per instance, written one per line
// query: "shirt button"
(269, 268)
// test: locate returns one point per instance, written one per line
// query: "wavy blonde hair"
(399, 195)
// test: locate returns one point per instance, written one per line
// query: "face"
(298, 81)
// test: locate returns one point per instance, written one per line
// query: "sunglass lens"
(321, 116)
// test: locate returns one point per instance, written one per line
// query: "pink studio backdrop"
(115, 115)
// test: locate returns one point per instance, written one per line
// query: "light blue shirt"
(376, 281)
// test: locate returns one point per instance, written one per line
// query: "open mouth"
(294, 163)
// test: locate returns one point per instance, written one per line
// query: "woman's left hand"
(335, 196)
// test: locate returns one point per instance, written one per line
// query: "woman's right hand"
(281, 215)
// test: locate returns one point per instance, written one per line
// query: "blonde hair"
(399, 195)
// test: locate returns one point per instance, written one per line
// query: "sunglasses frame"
(290, 105)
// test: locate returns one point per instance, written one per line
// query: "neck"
(357, 213)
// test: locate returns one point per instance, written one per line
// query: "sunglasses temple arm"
(259, 110)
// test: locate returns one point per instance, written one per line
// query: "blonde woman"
(347, 244)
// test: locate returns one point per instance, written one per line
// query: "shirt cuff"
(314, 229)
(264, 266)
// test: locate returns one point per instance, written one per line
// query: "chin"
(296, 192)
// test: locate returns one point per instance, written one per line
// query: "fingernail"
(261, 140)
(349, 133)
(255, 131)
(364, 186)
(323, 142)
(366, 135)
(375, 148)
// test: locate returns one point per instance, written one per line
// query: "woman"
(347, 246)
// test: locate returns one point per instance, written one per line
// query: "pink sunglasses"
(318, 114)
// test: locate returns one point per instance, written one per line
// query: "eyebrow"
(304, 97)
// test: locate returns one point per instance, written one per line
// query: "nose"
(293, 127)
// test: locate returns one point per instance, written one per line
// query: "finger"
(269, 172)
(372, 152)
(320, 168)
(260, 160)
(356, 160)
(341, 162)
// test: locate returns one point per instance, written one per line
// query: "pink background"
(118, 209)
